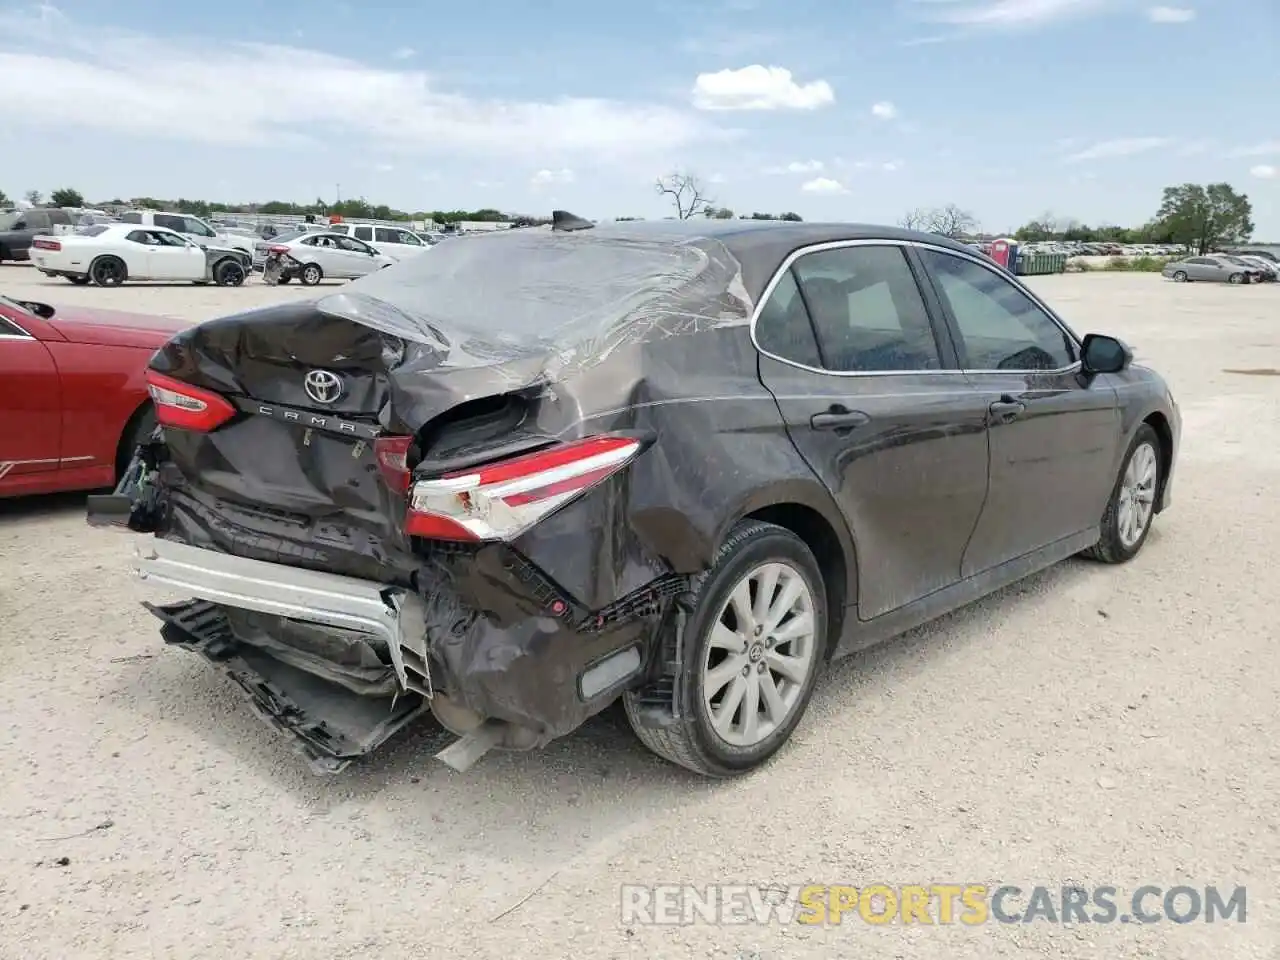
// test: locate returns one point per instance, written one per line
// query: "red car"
(73, 403)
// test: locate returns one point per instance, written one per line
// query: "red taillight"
(46, 244)
(184, 407)
(392, 455)
(502, 500)
(278, 250)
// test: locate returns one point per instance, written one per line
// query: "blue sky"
(1009, 108)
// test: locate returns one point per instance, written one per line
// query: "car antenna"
(564, 220)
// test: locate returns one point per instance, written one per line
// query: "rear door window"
(363, 233)
(37, 220)
(130, 218)
(387, 235)
(171, 222)
(867, 309)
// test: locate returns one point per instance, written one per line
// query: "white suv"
(199, 230)
(395, 242)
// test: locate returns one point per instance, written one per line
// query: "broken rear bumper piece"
(532, 685)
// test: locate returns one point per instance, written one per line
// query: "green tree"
(4, 200)
(791, 217)
(718, 213)
(33, 197)
(1204, 217)
(66, 197)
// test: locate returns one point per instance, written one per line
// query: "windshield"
(7, 220)
(534, 288)
(286, 237)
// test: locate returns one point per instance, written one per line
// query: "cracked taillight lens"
(499, 501)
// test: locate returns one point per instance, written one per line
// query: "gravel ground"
(1092, 725)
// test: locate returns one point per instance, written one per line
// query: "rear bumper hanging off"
(298, 594)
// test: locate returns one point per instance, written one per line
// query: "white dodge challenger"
(110, 254)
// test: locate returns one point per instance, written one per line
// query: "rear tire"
(1236, 278)
(108, 271)
(1132, 499)
(749, 662)
(283, 280)
(311, 275)
(79, 281)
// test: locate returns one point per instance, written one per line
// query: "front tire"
(228, 273)
(1131, 509)
(1236, 278)
(1180, 276)
(754, 646)
(311, 275)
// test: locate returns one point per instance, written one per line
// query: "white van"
(198, 229)
(395, 242)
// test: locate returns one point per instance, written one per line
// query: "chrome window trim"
(22, 333)
(919, 245)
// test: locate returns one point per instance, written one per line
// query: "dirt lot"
(1093, 725)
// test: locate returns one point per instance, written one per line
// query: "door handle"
(1007, 409)
(839, 418)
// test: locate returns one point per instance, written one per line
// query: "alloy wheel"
(1137, 495)
(760, 654)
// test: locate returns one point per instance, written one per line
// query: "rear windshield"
(92, 231)
(535, 285)
(286, 237)
(7, 220)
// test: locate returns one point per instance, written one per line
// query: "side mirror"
(39, 309)
(1102, 354)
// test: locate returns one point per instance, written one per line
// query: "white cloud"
(884, 110)
(1265, 171)
(1125, 147)
(403, 53)
(717, 178)
(759, 88)
(137, 84)
(823, 185)
(799, 166)
(1014, 13)
(545, 178)
(890, 166)
(1270, 148)
(1170, 14)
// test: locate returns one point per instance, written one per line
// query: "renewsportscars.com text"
(966, 904)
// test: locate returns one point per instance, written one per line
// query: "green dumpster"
(1038, 264)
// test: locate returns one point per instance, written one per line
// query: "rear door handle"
(1007, 409)
(838, 418)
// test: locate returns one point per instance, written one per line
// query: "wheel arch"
(809, 512)
(124, 450)
(1164, 432)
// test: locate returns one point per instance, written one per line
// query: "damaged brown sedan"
(684, 464)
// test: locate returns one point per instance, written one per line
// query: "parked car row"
(1221, 268)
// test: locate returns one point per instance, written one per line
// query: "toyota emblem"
(323, 386)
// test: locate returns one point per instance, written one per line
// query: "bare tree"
(33, 197)
(951, 221)
(685, 191)
(916, 219)
(948, 221)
